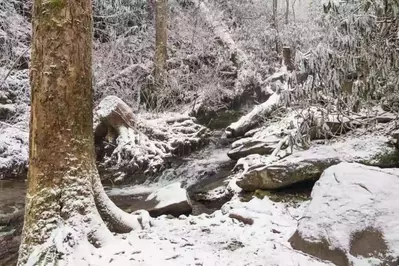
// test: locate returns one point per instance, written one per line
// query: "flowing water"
(199, 173)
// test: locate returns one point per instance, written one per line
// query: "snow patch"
(169, 195)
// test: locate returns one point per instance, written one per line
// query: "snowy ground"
(213, 239)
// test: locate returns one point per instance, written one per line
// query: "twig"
(13, 66)
(120, 74)
(279, 145)
(10, 125)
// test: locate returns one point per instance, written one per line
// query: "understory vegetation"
(246, 115)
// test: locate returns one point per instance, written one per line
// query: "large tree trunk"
(62, 170)
(161, 40)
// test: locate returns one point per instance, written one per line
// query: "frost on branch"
(132, 143)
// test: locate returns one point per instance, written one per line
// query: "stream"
(201, 172)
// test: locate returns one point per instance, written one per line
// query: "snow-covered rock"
(251, 146)
(309, 164)
(172, 199)
(6, 111)
(13, 152)
(353, 216)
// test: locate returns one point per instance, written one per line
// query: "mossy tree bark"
(62, 167)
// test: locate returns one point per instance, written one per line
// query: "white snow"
(215, 239)
(260, 110)
(13, 149)
(351, 198)
(130, 190)
(169, 195)
(355, 148)
(207, 240)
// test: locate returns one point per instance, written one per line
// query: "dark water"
(12, 199)
(199, 173)
(12, 195)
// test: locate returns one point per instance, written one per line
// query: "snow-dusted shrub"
(14, 34)
(194, 61)
(356, 62)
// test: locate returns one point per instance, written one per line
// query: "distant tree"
(65, 196)
(275, 13)
(161, 40)
(287, 10)
(275, 25)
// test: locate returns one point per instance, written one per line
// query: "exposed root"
(72, 238)
(118, 220)
(72, 242)
(143, 144)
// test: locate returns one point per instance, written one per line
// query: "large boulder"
(285, 173)
(353, 217)
(168, 200)
(310, 164)
(172, 199)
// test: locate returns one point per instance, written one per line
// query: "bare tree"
(287, 10)
(275, 25)
(275, 13)
(293, 9)
(65, 197)
(161, 40)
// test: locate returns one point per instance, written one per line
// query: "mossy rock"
(388, 158)
(290, 195)
(285, 174)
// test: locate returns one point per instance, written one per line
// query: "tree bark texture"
(161, 40)
(61, 151)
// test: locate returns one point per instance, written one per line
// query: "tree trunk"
(62, 170)
(287, 10)
(293, 10)
(288, 61)
(275, 13)
(161, 40)
(275, 25)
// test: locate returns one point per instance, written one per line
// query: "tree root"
(118, 220)
(140, 144)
